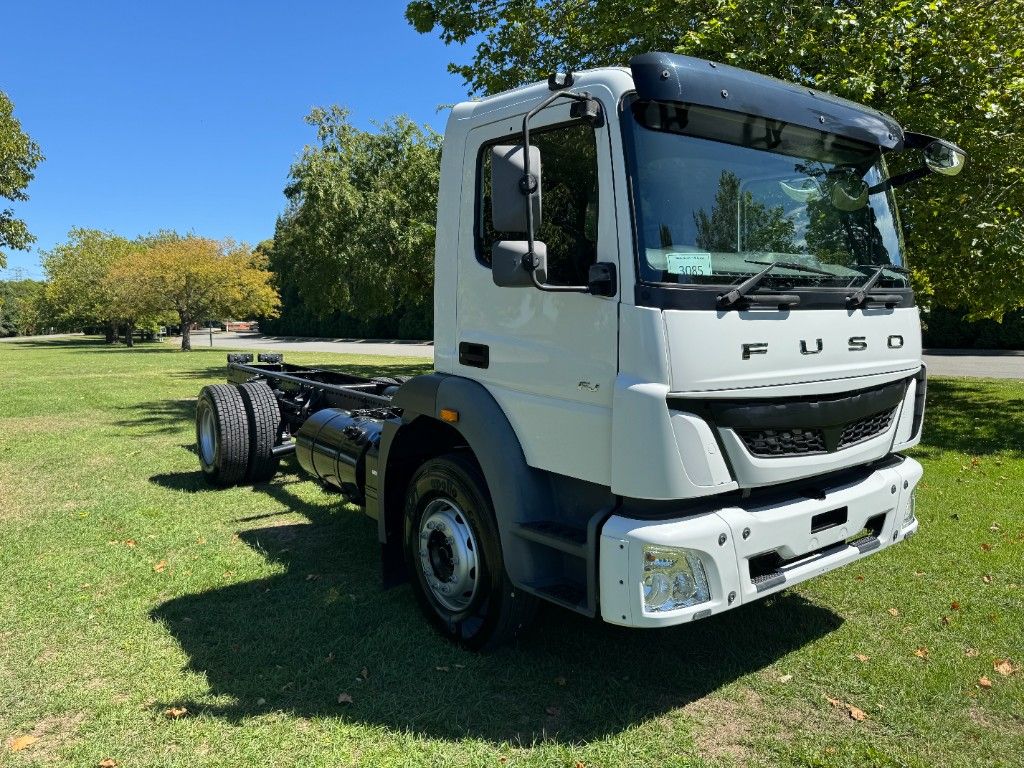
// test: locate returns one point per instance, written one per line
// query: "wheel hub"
(448, 554)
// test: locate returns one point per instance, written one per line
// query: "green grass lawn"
(129, 589)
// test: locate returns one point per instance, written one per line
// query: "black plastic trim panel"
(920, 398)
(816, 411)
(706, 297)
(418, 395)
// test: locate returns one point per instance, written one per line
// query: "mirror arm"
(529, 187)
(900, 179)
(557, 288)
(914, 140)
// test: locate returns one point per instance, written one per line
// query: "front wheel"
(453, 550)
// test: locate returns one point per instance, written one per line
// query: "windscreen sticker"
(693, 263)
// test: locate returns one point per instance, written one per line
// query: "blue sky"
(187, 115)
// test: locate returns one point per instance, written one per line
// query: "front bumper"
(734, 544)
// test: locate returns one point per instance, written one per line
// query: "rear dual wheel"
(265, 430)
(222, 435)
(236, 431)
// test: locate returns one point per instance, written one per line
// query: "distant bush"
(297, 319)
(946, 328)
(24, 309)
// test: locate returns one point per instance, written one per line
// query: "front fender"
(517, 490)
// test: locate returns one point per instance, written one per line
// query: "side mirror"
(510, 186)
(940, 156)
(945, 158)
(507, 268)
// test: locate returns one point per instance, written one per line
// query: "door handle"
(474, 355)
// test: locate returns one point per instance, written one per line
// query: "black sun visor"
(670, 77)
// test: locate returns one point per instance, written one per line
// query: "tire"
(452, 543)
(222, 435)
(265, 431)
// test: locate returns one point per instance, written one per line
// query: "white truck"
(677, 357)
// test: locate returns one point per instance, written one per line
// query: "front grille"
(776, 427)
(865, 429)
(796, 441)
(783, 442)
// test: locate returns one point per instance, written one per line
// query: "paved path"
(258, 343)
(941, 362)
(993, 364)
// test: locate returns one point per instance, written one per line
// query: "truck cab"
(677, 352)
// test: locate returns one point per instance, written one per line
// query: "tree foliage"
(131, 301)
(78, 270)
(357, 236)
(946, 67)
(199, 278)
(23, 308)
(19, 156)
(99, 278)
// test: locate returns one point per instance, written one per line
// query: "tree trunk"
(111, 333)
(186, 338)
(129, 334)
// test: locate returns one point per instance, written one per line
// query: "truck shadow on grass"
(968, 417)
(159, 417)
(293, 642)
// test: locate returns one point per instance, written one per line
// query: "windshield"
(718, 195)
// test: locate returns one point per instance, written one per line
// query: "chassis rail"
(301, 391)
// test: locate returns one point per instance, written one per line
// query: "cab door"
(549, 359)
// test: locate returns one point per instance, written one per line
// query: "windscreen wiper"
(863, 296)
(742, 291)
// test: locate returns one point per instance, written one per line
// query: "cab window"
(569, 193)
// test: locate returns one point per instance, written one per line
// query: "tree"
(358, 233)
(944, 67)
(131, 300)
(19, 156)
(77, 271)
(23, 308)
(199, 279)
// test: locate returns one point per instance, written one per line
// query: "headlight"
(673, 578)
(908, 518)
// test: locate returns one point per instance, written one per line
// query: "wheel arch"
(411, 443)
(483, 430)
